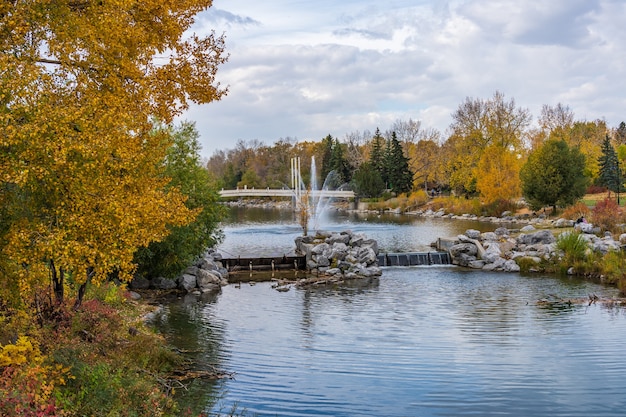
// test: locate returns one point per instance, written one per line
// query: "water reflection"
(271, 232)
(426, 341)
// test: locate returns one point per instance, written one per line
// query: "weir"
(264, 263)
(414, 259)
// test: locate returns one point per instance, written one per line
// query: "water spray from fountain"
(311, 203)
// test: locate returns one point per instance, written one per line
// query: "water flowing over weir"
(414, 259)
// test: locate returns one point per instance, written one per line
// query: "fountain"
(311, 203)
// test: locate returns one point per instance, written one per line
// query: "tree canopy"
(81, 167)
(553, 175)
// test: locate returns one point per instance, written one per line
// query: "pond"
(420, 341)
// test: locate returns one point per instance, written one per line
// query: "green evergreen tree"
(327, 153)
(554, 175)
(377, 154)
(398, 173)
(367, 181)
(339, 164)
(609, 175)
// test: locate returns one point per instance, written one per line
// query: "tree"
(339, 164)
(553, 175)
(327, 154)
(478, 124)
(620, 134)
(377, 154)
(184, 244)
(399, 175)
(81, 167)
(609, 175)
(367, 181)
(498, 177)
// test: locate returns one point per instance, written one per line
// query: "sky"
(306, 69)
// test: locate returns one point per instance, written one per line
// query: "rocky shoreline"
(340, 257)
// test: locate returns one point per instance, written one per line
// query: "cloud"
(219, 16)
(302, 71)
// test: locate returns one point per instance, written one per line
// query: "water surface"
(421, 341)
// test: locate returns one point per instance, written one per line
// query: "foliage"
(100, 361)
(457, 205)
(609, 175)
(478, 124)
(81, 169)
(614, 269)
(497, 175)
(367, 181)
(553, 175)
(576, 211)
(396, 166)
(417, 199)
(573, 246)
(496, 208)
(606, 215)
(185, 243)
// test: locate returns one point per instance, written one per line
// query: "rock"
(139, 283)
(498, 265)
(463, 248)
(489, 236)
(528, 228)
(208, 280)
(501, 231)
(622, 238)
(191, 270)
(542, 236)
(188, 282)
(477, 264)
(563, 223)
(370, 243)
(511, 266)
(492, 253)
(472, 234)
(338, 238)
(585, 227)
(161, 283)
(134, 295)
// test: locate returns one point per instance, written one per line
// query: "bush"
(457, 205)
(573, 246)
(498, 207)
(576, 211)
(606, 215)
(417, 199)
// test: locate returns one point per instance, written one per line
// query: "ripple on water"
(422, 342)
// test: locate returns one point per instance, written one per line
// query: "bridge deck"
(269, 192)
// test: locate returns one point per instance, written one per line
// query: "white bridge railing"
(269, 192)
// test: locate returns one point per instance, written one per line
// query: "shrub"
(606, 215)
(498, 207)
(614, 268)
(573, 246)
(576, 211)
(417, 199)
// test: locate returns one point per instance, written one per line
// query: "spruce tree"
(399, 174)
(377, 154)
(609, 175)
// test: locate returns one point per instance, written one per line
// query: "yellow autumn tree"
(497, 175)
(81, 166)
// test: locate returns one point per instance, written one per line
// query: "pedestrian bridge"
(285, 192)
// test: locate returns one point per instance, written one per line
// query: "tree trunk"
(57, 283)
(82, 289)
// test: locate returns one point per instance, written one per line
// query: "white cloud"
(303, 69)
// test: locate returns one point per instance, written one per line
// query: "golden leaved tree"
(81, 181)
(498, 175)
